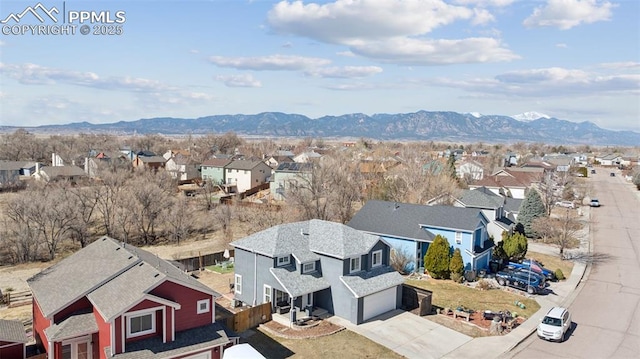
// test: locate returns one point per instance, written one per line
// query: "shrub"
(515, 246)
(559, 274)
(483, 284)
(456, 277)
(436, 261)
(456, 265)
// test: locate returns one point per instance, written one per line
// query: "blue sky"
(577, 60)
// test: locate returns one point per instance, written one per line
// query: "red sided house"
(12, 339)
(111, 300)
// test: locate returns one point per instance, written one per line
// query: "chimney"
(37, 168)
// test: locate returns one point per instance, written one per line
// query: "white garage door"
(378, 303)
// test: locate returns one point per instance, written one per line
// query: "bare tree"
(400, 259)
(85, 201)
(53, 215)
(309, 193)
(22, 235)
(151, 192)
(113, 181)
(223, 215)
(561, 231)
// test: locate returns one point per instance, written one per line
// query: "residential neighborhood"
(182, 249)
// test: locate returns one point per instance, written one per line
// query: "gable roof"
(63, 171)
(111, 275)
(12, 331)
(481, 197)
(404, 220)
(364, 283)
(15, 165)
(297, 284)
(244, 165)
(152, 159)
(305, 239)
(294, 167)
(216, 162)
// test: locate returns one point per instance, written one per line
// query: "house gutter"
(255, 279)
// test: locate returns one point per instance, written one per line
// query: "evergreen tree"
(531, 208)
(436, 261)
(456, 266)
(451, 166)
(515, 247)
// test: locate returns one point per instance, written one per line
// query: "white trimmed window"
(283, 261)
(354, 264)
(376, 258)
(203, 306)
(238, 284)
(309, 267)
(138, 325)
(458, 237)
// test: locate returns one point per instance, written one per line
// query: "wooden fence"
(195, 263)
(248, 318)
(16, 299)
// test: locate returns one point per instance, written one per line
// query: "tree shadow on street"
(588, 258)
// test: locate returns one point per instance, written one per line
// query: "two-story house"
(317, 266)
(287, 174)
(411, 228)
(113, 300)
(213, 170)
(512, 181)
(245, 174)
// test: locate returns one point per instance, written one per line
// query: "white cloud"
(620, 66)
(345, 53)
(272, 62)
(485, 3)
(565, 14)
(391, 30)
(241, 80)
(548, 82)
(435, 52)
(344, 72)
(561, 46)
(345, 20)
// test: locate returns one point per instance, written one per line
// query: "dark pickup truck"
(520, 280)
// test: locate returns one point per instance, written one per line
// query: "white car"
(555, 325)
(566, 204)
(594, 202)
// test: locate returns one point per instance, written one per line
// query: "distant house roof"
(216, 162)
(152, 159)
(145, 153)
(512, 204)
(404, 220)
(12, 331)
(62, 171)
(294, 167)
(512, 177)
(110, 274)
(15, 165)
(243, 165)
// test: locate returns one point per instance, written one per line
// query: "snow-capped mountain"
(530, 116)
(475, 114)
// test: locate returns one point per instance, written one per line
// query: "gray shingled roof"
(243, 165)
(112, 276)
(373, 281)
(297, 284)
(74, 277)
(63, 171)
(186, 341)
(15, 165)
(12, 331)
(329, 238)
(76, 325)
(481, 197)
(512, 204)
(152, 159)
(403, 219)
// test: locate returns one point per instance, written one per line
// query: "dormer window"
(354, 264)
(309, 267)
(283, 261)
(376, 258)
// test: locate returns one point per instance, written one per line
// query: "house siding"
(465, 247)
(14, 351)
(40, 323)
(103, 338)
(244, 260)
(186, 316)
(214, 174)
(118, 335)
(80, 304)
(408, 246)
(344, 303)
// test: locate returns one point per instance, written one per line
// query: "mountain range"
(421, 125)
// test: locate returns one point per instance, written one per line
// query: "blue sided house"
(411, 228)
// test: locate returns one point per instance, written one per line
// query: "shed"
(12, 339)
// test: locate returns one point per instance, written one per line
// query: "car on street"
(594, 202)
(529, 283)
(566, 204)
(555, 325)
(612, 174)
(593, 172)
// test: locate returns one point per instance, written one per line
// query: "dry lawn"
(552, 262)
(448, 294)
(344, 344)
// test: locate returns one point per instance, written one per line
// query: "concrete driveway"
(408, 334)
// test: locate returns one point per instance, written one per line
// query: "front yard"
(344, 344)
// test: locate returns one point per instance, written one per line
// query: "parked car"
(612, 174)
(555, 325)
(594, 203)
(525, 269)
(519, 280)
(566, 204)
(593, 172)
(527, 264)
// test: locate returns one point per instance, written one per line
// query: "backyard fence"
(248, 318)
(16, 299)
